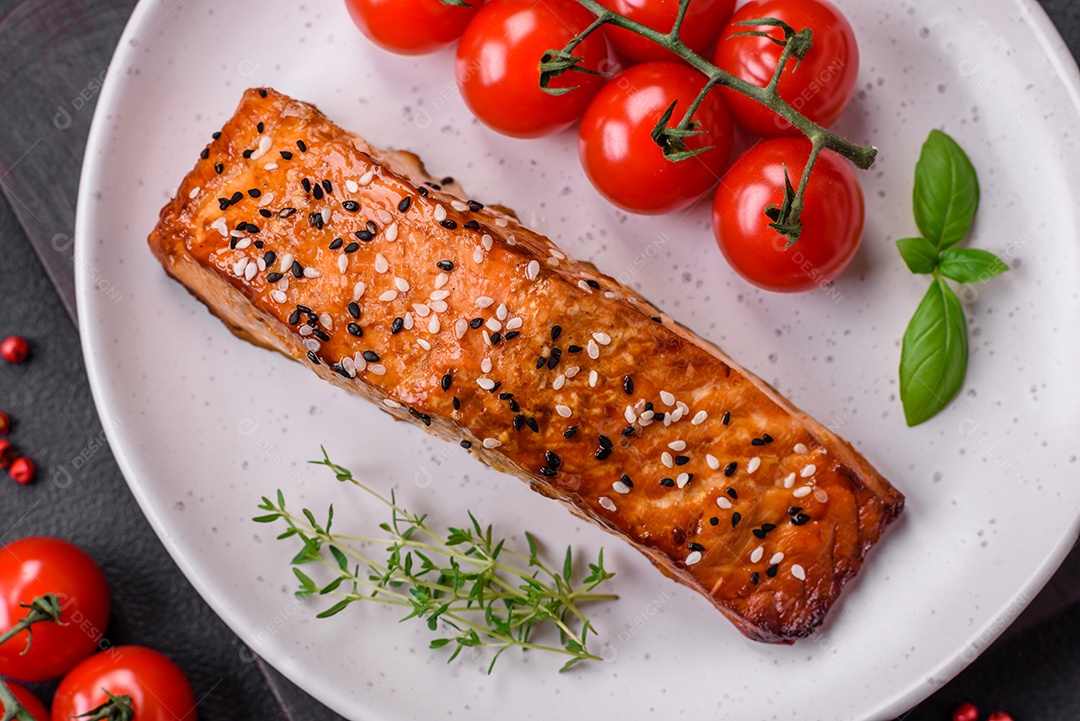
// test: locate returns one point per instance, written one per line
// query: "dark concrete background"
(1031, 672)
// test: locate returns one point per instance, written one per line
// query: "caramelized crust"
(306, 240)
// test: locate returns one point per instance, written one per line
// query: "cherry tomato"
(498, 65)
(700, 28)
(411, 27)
(40, 565)
(822, 85)
(22, 470)
(29, 701)
(622, 160)
(966, 712)
(158, 689)
(832, 217)
(14, 349)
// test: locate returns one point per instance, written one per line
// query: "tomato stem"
(42, 608)
(117, 708)
(13, 710)
(796, 45)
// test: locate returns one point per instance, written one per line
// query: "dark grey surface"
(81, 496)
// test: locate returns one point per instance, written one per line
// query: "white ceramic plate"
(203, 424)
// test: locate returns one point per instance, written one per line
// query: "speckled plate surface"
(203, 424)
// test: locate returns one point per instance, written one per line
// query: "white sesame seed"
(407, 321)
(713, 461)
(484, 301)
(492, 443)
(501, 222)
(440, 280)
(682, 479)
(584, 286)
(366, 177)
(493, 325)
(349, 366)
(667, 398)
(808, 470)
(260, 264)
(271, 166)
(593, 349)
(556, 253)
(264, 145)
(620, 487)
(434, 325)
(220, 226)
(820, 495)
(485, 383)
(667, 460)
(378, 369)
(677, 446)
(439, 306)
(358, 290)
(236, 234)
(351, 185)
(326, 214)
(802, 491)
(310, 272)
(421, 310)
(487, 336)
(391, 403)
(789, 482)
(485, 365)
(283, 284)
(383, 216)
(381, 264)
(194, 192)
(693, 558)
(594, 377)
(532, 270)
(460, 328)
(486, 241)
(458, 206)
(609, 294)
(511, 240)
(798, 572)
(359, 362)
(243, 244)
(305, 330)
(440, 213)
(602, 338)
(391, 232)
(280, 297)
(513, 324)
(799, 448)
(753, 464)
(553, 262)
(402, 284)
(607, 504)
(343, 263)
(571, 371)
(647, 415)
(423, 344)
(723, 502)
(286, 261)
(777, 557)
(699, 418)
(311, 344)
(501, 311)
(326, 321)
(629, 415)
(240, 266)
(558, 383)
(478, 255)
(756, 554)
(388, 296)
(563, 411)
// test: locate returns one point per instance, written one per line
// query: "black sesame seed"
(657, 319)
(205, 153)
(327, 186)
(260, 127)
(286, 212)
(628, 385)
(471, 225)
(364, 235)
(445, 265)
(219, 168)
(605, 442)
(262, 92)
(306, 184)
(447, 180)
(475, 206)
(495, 338)
(667, 482)
(352, 247)
(242, 225)
(297, 269)
(757, 442)
(592, 284)
(602, 454)
(714, 521)
(729, 469)
(574, 349)
(232, 242)
(258, 244)
(733, 493)
(448, 224)
(649, 405)
(422, 190)
(793, 510)
(403, 206)
(513, 334)
(247, 153)
(697, 547)
(355, 330)
(754, 577)
(285, 154)
(771, 570)
(236, 198)
(315, 220)
(767, 438)
(294, 317)
(626, 479)
(397, 325)
(340, 370)
(628, 431)
(351, 205)
(682, 460)
(495, 387)
(768, 527)
(556, 331)
(336, 243)
(514, 406)
(466, 444)
(570, 432)
(274, 277)
(252, 228)
(799, 519)
(371, 227)
(216, 134)
(519, 421)
(476, 323)
(758, 533)
(303, 309)
(548, 472)
(553, 359)
(317, 193)
(552, 459)
(505, 396)
(658, 417)
(532, 424)
(313, 358)
(735, 518)
(446, 381)
(425, 419)
(540, 362)
(457, 404)
(265, 213)
(726, 419)
(254, 192)
(300, 144)
(371, 356)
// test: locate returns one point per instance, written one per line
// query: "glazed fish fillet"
(393, 286)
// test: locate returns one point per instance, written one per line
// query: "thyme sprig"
(474, 588)
(785, 217)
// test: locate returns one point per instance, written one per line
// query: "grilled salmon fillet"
(450, 314)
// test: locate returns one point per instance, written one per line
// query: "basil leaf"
(970, 265)
(920, 254)
(934, 356)
(946, 191)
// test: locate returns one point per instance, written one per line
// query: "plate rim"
(1055, 50)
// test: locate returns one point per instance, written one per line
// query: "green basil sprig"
(934, 357)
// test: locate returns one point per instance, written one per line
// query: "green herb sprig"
(934, 357)
(464, 581)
